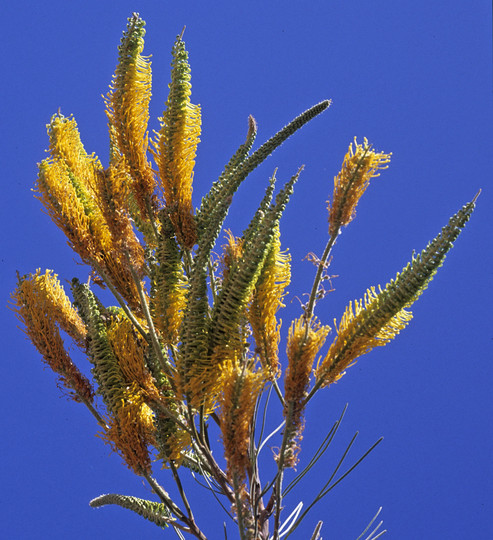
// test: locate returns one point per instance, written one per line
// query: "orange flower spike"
(43, 307)
(302, 347)
(63, 310)
(112, 195)
(59, 197)
(241, 388)
(70, 188)
(358, 168)
(130, 349)
(131, 431)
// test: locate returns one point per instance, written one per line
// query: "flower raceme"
(360, 165)
(304, 343)
(176, 146)
(42, 305)
(127, 109)
(183, 346)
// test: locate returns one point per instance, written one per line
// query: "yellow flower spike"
(240, 390)
(127, 108)
(302, 347)
(41, 304)
(131, 429)
(173, 315)
(59, 197)
(130, 349)
(66, 146)
(358, 168)
(69, 186)
(267, 299)
(176, 146)
(88, 234)
(64, 312)
(171, 440)
(112, 195)
(73, 175)
(361, 328)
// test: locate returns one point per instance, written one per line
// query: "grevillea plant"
(194, 337)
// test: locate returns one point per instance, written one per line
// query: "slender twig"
(278, 392)
(322, 492)
(316, 532)
(214, 416)
(181, 490)
(322, 265)
(216, 472)
(328, 486)
(370, 524)
(288, 522)
(264, 416)
(277, 493)
(177, 528)
(239, 507)
(164, 496)
(253, 473)
(268, 487)
(94, 412)
(215, 491)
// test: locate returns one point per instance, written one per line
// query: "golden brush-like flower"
(358, 168)
(304, 342)
(113, 196)
(130, 348)
(358, 333)
(127, 108)
(240, 390)
(131, 428)
(42, 305)
(67, 186)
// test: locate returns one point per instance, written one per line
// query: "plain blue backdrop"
(416, 79)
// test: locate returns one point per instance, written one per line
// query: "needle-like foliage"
(194, 339)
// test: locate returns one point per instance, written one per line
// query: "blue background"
(416, 79)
